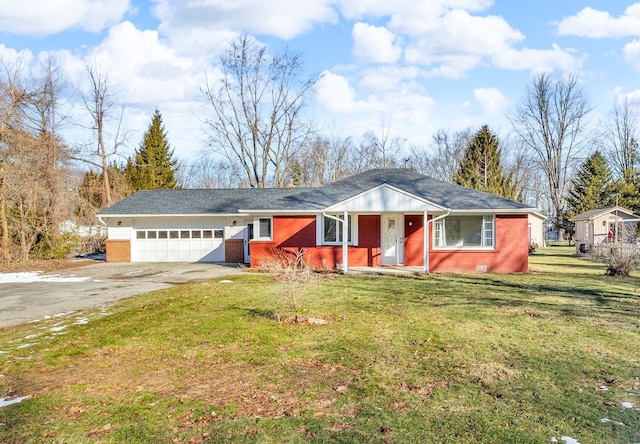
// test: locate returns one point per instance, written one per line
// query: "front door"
(248, 235)
(392, 239)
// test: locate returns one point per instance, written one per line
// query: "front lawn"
(478, 358)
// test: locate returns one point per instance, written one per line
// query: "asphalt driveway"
(96, 284)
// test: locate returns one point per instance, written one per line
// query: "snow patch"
(627, 405)
(81, 321)
(8, 401)
(225, 281)
(37, 276)
(59, 328)
(565, 439)
(24, 346)
(612, 421)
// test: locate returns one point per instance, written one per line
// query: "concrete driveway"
(95, 284)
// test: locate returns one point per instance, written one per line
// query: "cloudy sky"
(411, 66)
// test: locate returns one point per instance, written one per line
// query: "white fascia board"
(113, 216)
(384, 185)
(278, 212)
(497, 211)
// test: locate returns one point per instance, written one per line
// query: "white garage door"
(179, 245)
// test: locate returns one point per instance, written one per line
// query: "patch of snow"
(225, 281)
(627, 405)
(37, 276)
(24, 346)
(612, 421)
(565, 439)
(35, 335)
(81, 321)
(603, 388)
(8, 401)
(59, 328)
(2, 352)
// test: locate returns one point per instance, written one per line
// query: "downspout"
(345, 239)
(426, 237)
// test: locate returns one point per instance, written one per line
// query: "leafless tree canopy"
(551, 122)
(621, 138)
(257, 105)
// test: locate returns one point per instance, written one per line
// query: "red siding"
(413, 240)
(511, 254)
(293, 232)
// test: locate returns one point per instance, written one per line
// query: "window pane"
(162, 234)
(207, 234)
(330, 230)
(464, 231)
(196, 234)
(265, 228)
(141, 235)
(218, 234)
(185, 234)
(173, 234)
(151, 235)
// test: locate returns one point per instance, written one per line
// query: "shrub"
(621, 258)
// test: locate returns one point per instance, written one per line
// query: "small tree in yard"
(295, 278)
(621, 253)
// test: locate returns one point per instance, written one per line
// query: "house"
(602, 225)
(395, 217)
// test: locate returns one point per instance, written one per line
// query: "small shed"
(602, 225)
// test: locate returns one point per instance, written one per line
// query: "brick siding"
(118, 250)
(234, 251)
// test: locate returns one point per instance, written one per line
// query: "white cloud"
(335, 94)
(491, 100)
(53, 16)
(632, 54)
(538, 60)
(592, 23)
(140, 63)
(11, 57)
(375, 44)
(281, 18)
(387, 77)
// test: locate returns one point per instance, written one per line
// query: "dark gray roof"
(219, 201)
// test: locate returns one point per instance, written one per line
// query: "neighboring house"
(602, 225)
(536, 229)
(395, 217)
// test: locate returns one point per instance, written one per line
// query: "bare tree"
(257, 105)
(100, 103)
(207, 173)
(621, 136)
(551, 122)
(322, 160)
(443, 159)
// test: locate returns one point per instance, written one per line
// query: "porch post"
(345, 243)
(425, 240)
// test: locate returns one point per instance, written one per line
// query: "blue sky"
(409, 66)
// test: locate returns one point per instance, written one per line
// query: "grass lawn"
(478, 358)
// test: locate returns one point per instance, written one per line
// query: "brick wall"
(234, 251)
(118, 250)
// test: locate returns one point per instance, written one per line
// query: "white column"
(425, 240)
(345, 243)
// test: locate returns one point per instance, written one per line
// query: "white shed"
(600, 225)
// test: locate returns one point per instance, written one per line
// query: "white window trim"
(441, 224)
(256, 228)
(320, 230)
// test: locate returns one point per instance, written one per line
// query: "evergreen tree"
(481, 169)
(153, 166)
(591, 187)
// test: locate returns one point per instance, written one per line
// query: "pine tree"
(481, 169)
(153, 166)
(591, 187)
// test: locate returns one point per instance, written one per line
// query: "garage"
(162, 245)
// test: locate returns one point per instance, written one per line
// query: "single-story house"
(395, 217)
(602, 225)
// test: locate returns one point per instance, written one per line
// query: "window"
(464, 232)
(185, 234)
(141, 234)
(173, 234)
(218, 234)
(264, 228)
(332, 230)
